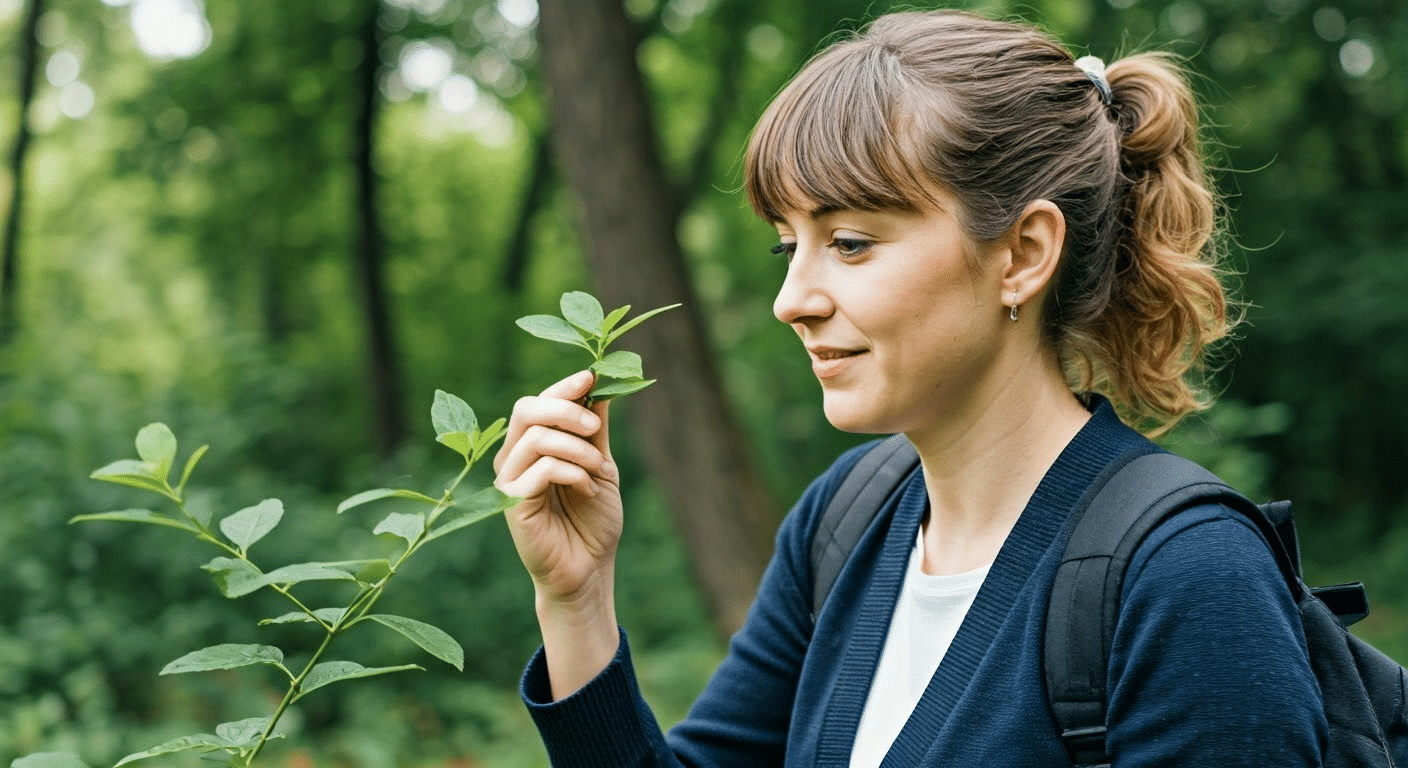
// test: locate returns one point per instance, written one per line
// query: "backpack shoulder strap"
(869, 483)
(1085, 595)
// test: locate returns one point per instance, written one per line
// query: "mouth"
(829, 362)
(832, 353)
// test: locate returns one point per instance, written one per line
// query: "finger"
(601, 439)
(571, 388)
(539, 441)
(553, 408)
(545, 473)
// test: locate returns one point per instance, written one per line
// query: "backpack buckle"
(1086, 746)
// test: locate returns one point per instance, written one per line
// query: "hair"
(998, 115)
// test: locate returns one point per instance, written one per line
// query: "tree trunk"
(627, 215)
(9, 252)
(383, 363)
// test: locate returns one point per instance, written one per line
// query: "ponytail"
(1145, 344)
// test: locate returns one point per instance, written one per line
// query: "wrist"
(587, 603)
(580, 634)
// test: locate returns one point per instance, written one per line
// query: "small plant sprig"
(236, 575)
(585, 324)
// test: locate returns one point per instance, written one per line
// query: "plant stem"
(289, 697)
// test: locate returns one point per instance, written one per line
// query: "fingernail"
(583, 377)
(608, 470)
(590, 422)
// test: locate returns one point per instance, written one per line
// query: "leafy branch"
(583, 324)
(236, 575)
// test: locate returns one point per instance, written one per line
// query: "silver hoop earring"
(1013, 314)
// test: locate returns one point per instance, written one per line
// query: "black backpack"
(1365, 692)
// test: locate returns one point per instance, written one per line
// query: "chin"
(848, 418)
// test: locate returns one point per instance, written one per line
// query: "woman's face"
(900, 315)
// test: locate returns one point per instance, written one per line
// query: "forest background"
(279, 227)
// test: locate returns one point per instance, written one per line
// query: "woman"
(981, 235)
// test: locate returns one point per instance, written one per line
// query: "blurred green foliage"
(187, 258)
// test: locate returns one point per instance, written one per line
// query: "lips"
(828, 362)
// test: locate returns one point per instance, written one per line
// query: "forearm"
(580, 634)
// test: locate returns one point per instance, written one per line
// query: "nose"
(803, 294)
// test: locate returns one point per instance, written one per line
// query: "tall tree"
(9, 253)
(605, 140)
(383, 361)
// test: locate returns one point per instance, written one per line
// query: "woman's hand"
(556, 456)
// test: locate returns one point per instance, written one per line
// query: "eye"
(784, 248)
(849, 248)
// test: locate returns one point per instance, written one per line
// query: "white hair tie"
(1094, 68)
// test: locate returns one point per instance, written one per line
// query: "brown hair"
(998, 115)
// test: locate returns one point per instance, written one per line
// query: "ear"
(1035, 244)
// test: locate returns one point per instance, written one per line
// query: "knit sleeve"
(741, 719)
(1209, 664)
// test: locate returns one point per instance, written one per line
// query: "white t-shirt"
(927, 616)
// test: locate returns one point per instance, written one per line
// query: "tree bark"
(383, 362)
(605, 140)
(9, 252)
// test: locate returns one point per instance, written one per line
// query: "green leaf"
(582, 310)
(460, 522)
(432, 639)
(201, 741)
(328, 616)
(480, 506)
(300, 572)
(252, 523)
(606, 389)
(224, 656)
(487, 438)
(190, 467)
(137, 516)
(619, 365)
(235, 578)
(612, 319)
(334, 671)
(383, 493)
(351, 566)
(408, 526)
(637, 320)
(459, 442)
(157, 447)
(455, 423)
(242, 733)
(553, 329)
(133, 473)
(451, 414)
(49, 760)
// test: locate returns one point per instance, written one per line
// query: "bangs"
(840, 137)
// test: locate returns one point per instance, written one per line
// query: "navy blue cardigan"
(1208, 667)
